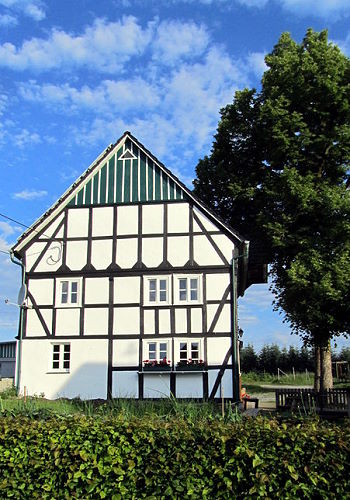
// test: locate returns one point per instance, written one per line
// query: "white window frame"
(59, 283)
(147, 290)
(60, 358)
(188, 341)
(188, 277)
(157, 342)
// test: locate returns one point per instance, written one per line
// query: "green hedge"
(81, 457)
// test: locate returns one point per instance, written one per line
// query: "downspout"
(20, 325)
(235, 350)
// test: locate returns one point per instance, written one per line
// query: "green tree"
(248, 359)
(278, 173)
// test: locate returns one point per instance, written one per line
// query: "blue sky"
(76, 74)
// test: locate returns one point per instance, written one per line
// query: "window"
(157, 290)
(60, 357)
(187, 289)
(68, 292)
(189, 350)
(157, 351)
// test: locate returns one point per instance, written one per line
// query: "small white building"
(131, 287)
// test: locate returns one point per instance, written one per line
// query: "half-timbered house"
(131, 287)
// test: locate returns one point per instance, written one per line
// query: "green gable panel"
(95, 189)
(150, 180)
(103, 182)
(135, 180)
(156, 194)
(171, 189)
(143, 195)
(88, 193)
(127, 172)
(111, 172)
(165, 187)
(80, 198)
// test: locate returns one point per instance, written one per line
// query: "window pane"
(153, 284)
(74, 292)
(66, 347)
(64, 292)
(74, 286)
(194, 288)
(195, 350)
(152, 290)
(183, 350)
(162, 296)
(152, 350)
(182, 289)
(66, 364)
(162, 290)
(162, 285)
(56, 356)
(55, 365)
(152, 296)
(56, 348)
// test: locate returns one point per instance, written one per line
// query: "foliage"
(278, 173)
(81, 457)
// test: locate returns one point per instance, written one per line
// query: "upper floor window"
(68, 292)
(157, 290)
(189, 351)
(187, 289)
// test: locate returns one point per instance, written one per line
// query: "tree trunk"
(323, 368)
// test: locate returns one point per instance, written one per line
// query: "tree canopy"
(278, 173)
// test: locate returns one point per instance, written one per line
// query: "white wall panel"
(52, 258)
(225, 245)
(164, 321)
(34, 326)
(127, 290)
(223, 324)
(152, 219)
(126, 352)
(226, 383)
(196, 320)
(149, 321)
(189, 385)
(216, 285)
(209, 226)
(180, 321)
(178, 218)
(102, 221)
(78, 222)
(126, 320)
(96, 321)
(127, 253)
(152, 251)
(156, 385)
(127, 220)
(96, 291)
(217, 349)
(67, 321)
(88, 372)
(101, 253)
(204, 252)
(125, 385)
(178, 250)
(51, 228)
(76, 254)
(42, 291)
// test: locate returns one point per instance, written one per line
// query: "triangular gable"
(125, 172)
(127, 175)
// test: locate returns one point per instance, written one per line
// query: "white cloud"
(25, 138)
(256, 63)
(175, 40)
(6, 229)
(319, 8)
(29, 194)
(8, 20)
(344, 45)
(35, 9)
(103, 46)
(253, 3)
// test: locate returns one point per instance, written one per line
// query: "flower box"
(156, 368)
(192, 367)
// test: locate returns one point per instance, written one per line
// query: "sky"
(75, 74)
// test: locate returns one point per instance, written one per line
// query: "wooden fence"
(330, 400)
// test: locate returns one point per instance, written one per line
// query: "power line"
(15, 221)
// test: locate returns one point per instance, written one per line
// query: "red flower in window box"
(155, 365)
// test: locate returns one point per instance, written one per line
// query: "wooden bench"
(247, 400)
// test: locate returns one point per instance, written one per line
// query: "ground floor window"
(60, 357)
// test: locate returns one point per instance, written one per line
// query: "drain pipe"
(20, 324)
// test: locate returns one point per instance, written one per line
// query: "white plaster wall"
(127, 290)
(52, 258)
(78, 222)
(88, 372)
(76, 254)
(96, 321)
(152, 219)
(125, 385)
(67, 321)
(209, 226)
(180, 320)
(51, 228)
(204, 252)
(164, 321)
(216, 285)
(217, 350)
(226, 383)
(127, 220)
(126, 320)
(42, 290)
(189, 385)
(96, 291)
(196, 320)
(178, 218)
(102, 221)
(101, 253)
(223, 324)
(149, 321)
(156, 385)
(152, 251)
(34, 326)
(178, 250)
(225, 245)
(126, 352)
(127, 253)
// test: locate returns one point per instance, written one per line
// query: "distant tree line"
(272, 357)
